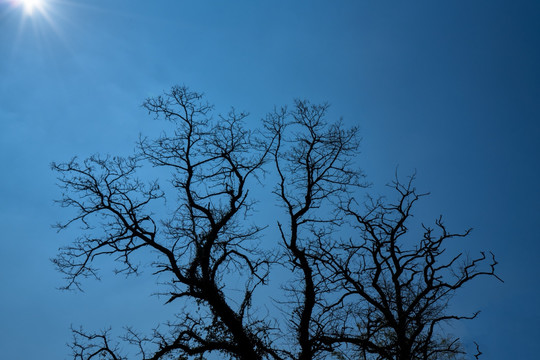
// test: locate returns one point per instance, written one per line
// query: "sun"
(31, 6)
(38, 21)
(39, 16)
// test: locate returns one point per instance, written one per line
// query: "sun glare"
(31, 6)
(40, 17)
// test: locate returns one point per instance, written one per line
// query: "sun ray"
(30, 7)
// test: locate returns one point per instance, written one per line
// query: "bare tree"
(211, 163)
(366, 295)
(396, 283)
(313, 160)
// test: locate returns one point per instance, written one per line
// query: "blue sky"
(451, 89)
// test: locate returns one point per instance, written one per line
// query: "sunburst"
(31, 7)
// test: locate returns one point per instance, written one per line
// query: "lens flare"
(30, 6)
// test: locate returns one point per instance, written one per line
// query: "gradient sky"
(449, 88)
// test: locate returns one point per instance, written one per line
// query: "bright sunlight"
(31, 5)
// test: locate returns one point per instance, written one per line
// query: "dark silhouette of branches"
(211, 164)
(396, 288)
(360, 286)
(313, 162)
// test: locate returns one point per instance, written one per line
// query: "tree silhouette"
(395, 289)
(356, 289)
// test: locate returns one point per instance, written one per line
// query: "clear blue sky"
(449, 88)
